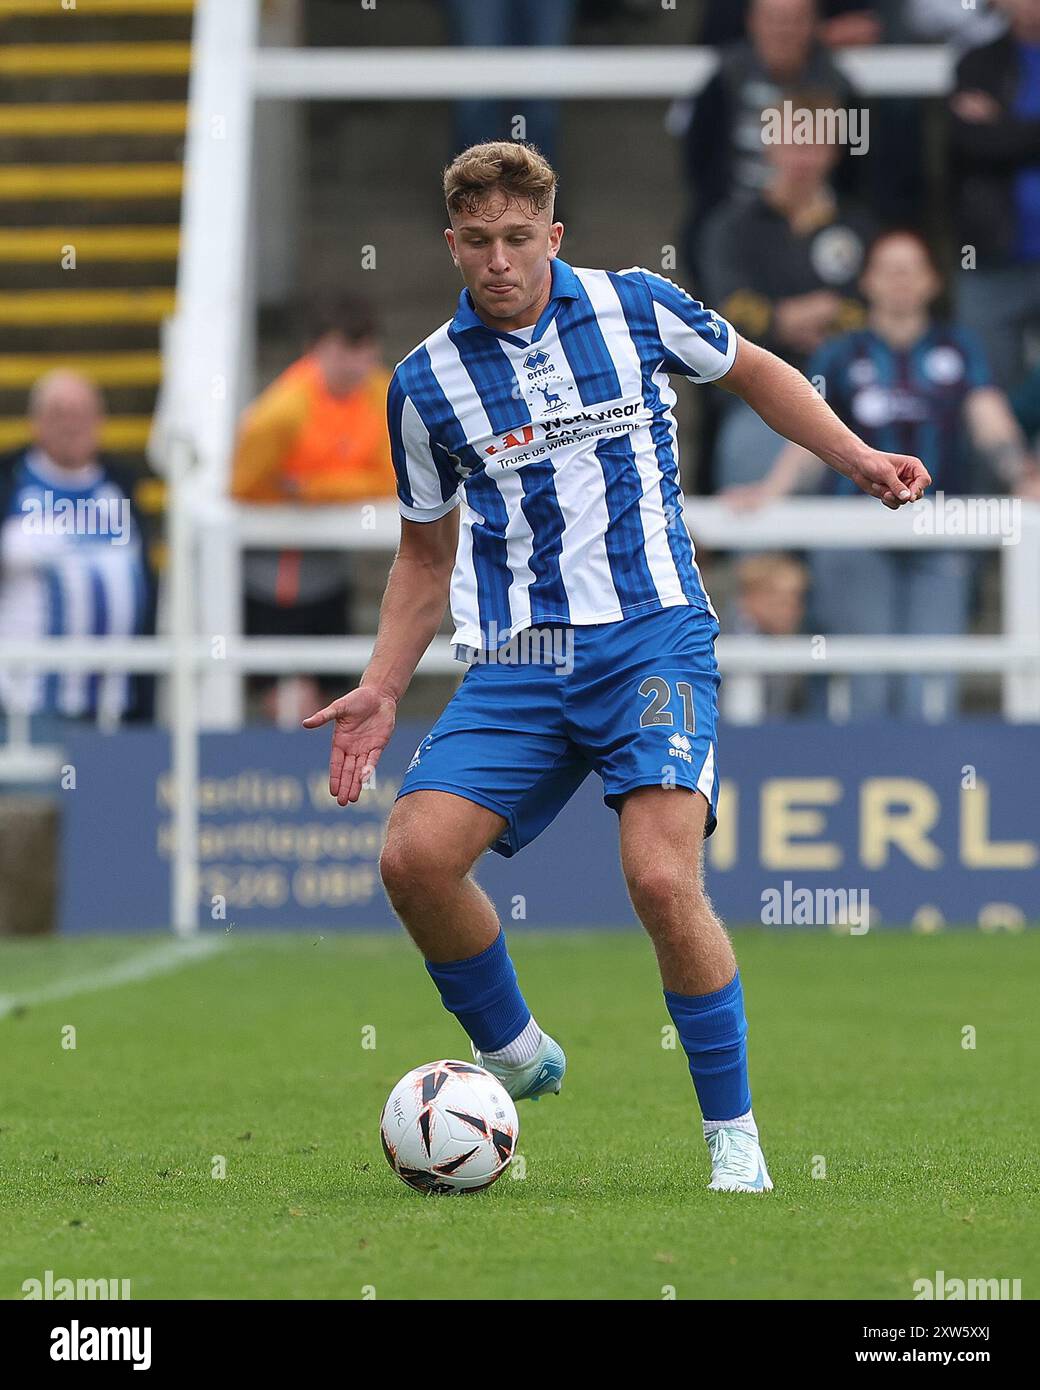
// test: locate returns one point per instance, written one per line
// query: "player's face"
(900, 277)
(504, 254)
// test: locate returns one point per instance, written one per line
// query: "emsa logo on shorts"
(680, 748)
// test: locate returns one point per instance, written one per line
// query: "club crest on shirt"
(553, 399)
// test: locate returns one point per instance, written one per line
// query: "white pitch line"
(157, 960)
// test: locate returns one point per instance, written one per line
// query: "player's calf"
(662, 833)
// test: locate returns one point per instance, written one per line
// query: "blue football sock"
(484, 996)
(713, 1031)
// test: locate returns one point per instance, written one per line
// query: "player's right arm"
(413, 604)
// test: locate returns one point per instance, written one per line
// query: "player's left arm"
(787, 403)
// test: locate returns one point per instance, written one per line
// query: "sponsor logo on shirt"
(542, 437)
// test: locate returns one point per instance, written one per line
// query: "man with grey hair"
(72, 560)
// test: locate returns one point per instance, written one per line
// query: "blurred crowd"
(918, 322)
(917, 315)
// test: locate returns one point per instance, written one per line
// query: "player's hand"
(894, 479)
(364, 721)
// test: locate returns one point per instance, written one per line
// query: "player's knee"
(663, 889)
(415, 866)
(405, 866)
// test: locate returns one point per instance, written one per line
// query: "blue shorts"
(633, 700)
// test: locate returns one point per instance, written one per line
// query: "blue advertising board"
(935, 824)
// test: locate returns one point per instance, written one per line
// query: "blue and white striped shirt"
(560, 443)
(72, 564)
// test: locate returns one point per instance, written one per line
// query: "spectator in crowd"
(316, 435)
(725, 156)
(72, 556)
(784, 269)
(842, 23)
(769, 601)
(907, 384)
(509, 24)
(996, 146)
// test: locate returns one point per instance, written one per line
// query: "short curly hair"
(475, 176)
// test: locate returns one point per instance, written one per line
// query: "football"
(449, 1127)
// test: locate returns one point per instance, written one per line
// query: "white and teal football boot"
(541, 1076)
(737, 1162)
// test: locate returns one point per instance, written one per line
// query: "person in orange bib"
(316, 435)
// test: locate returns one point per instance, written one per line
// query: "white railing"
(206, 674)
(644, 72)
(814, 523)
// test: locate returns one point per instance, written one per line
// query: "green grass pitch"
(255, 1053)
